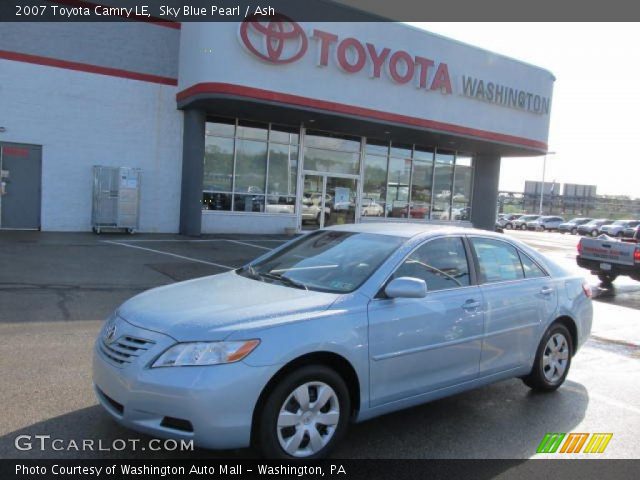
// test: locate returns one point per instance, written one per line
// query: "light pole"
(544, 167)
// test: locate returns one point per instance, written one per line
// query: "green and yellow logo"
(573, 443)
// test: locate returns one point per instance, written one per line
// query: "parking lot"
(55, 290)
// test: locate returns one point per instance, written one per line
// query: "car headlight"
(205, 353)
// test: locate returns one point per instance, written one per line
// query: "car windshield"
(619, 223)
(325, 261)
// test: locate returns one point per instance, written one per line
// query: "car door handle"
(546, 290)
(470, 304)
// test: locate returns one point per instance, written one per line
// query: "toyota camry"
(337, 326)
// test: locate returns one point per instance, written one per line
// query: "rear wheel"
(607, 278)
(594, 233)
(305, 415)
(508, 226)
(523, 227)
(553, 359)
(574, 231)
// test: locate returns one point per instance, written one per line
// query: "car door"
(417, 345)
(519, 298)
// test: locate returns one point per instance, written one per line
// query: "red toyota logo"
(278, 40)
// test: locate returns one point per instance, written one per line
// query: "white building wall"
(85, 119)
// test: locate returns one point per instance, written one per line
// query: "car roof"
(406, 229)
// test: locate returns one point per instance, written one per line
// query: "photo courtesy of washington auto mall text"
(209, 470)
(370, 240)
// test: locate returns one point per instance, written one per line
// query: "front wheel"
(523, 227)
(553, 359)
(305, 415)
(574, 231)
(508, 226)
(594, 233)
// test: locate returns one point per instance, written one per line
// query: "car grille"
(125, 349)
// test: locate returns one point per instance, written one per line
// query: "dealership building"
(260, 127)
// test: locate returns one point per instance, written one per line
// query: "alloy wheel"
(555, 358)
(308, 419)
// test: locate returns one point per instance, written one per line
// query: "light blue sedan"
(340, 325)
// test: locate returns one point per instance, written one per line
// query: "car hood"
(211, 308)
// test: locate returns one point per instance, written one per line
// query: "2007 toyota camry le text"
(337, 326)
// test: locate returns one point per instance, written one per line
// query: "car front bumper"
(211, 405)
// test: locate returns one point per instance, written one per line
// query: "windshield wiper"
(252, 272)
(286, 280)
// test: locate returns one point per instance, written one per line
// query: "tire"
(574, 231)
(542, 228)
(607, 278)
(508, 226)
(318, 218)
(523, 227)
(619, 235)
(542, 379)
(594, 233)
(271, 439)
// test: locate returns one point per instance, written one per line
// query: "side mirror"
(406, 287)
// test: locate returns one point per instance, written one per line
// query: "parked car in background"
(521, 223)
(338, 326)
(631, 233)
(505, 220)
(593, 227)
(312, 205)
(463, 213)
(371, 208)
(617, 228)
(546, 222)
(572, 225)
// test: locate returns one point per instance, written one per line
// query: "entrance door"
(328, 201)
(342, 195)
(20, 172)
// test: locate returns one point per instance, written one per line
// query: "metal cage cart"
(116, 198)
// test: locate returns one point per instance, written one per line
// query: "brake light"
(580, 247)
(636, 255)
(587, 290)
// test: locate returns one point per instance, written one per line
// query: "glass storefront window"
(398, 187)
(286, 135)
(374, 189)
(421, 180)
(218, 164)
(331, 161)
(251, 166)
(463, 178)
(221, 128)
(216, 201)
(252, 130)
(248, 203)
(330, 141)
(236, 164)
(442, 184)
(283, 166)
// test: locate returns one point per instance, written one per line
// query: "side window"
(531, 270)
(498, 261)
(441, 263)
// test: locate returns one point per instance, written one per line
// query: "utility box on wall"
(116, 198)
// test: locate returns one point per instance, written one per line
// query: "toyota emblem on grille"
(109, 332)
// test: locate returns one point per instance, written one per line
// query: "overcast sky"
(595, 115)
